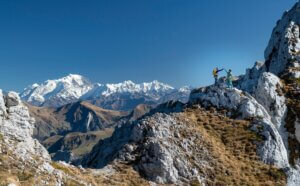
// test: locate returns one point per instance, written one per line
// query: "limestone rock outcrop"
(156, 145)
(16, 129)
(282, 52)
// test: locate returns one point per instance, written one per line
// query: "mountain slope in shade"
(121, 96)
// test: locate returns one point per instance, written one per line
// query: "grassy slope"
(233, 147)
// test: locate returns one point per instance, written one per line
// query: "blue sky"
(108, 41)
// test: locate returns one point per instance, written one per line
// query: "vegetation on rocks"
(233, 146)
(292, 92)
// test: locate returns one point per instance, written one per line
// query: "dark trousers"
(216, 80)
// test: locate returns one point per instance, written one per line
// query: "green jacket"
(229, 76)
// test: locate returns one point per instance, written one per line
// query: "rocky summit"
(246, 135)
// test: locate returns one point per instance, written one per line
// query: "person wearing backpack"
(216, 74)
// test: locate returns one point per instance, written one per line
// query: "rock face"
(249, 81)
(282, 53)
(158, 162)
(148, 142)
(17, 124)
(269, 94)
(12, 99)
(283, 49)
(2, 105)
(16, 129)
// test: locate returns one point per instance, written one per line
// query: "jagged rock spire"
(283, 51)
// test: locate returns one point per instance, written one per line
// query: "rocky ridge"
(192, 146)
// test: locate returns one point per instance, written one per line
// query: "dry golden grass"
(124, 175)
(14, 170)
(233, 146)
(293, 103)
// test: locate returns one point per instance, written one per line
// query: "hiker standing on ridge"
(216, 74)
(229, 79)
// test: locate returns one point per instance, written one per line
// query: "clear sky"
(173, 41)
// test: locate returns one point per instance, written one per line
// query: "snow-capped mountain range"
(120, 96)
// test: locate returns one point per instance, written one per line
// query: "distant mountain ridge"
(121, 96)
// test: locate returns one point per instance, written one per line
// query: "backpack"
(215, 72)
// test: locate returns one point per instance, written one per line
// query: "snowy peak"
(185, 89)
(61, 91)
(74, 79)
